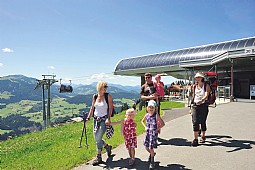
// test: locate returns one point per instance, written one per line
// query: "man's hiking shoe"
(194, 142)
(108, 149)
(97, 161)
(202, 140)
(152, 165)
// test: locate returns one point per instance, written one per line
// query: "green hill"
(19, 101)
(57, 148)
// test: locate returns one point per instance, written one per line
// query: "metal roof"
(180, 58)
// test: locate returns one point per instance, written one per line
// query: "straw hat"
(199, 74)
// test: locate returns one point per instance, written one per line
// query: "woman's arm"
(92, 108)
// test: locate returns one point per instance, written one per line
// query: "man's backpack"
(106, 99)
(211, 97)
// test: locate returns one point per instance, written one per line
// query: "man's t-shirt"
(147, 90)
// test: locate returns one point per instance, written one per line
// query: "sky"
(83, 40)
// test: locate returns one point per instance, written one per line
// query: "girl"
(152, 129)
(128, 129)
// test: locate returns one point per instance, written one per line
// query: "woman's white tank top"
(199, 94)
(100, 108)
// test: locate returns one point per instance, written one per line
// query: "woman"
(200, 110)
(102, 114)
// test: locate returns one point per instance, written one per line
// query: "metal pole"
(232, 84)
(48, 105)
(43, 108)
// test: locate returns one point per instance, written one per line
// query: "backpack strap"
(106, 99)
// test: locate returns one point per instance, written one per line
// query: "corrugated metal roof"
(173, 58)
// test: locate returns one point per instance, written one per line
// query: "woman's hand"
(199, 102)
(107, 122)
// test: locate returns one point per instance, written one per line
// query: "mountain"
(14, 88)
(21, 104)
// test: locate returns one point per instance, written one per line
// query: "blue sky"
(83, 40)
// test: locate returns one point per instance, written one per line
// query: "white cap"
(152, 103)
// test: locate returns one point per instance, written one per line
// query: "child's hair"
(130, 111)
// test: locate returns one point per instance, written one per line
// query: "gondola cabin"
(65, 88)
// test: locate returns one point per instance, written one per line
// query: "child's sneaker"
(131, 162)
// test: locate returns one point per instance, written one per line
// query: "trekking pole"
(84, 130)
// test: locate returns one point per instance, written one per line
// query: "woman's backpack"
(211, 97)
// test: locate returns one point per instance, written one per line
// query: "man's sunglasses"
(147, 77)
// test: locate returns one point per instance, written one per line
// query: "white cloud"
(1, 64)
(100, 76)
(51, 67)
(7, 50)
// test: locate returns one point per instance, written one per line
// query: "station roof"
(178, 60)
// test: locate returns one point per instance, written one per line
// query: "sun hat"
(157, 76)
(130, 111)
(199, 74)
(152, 103)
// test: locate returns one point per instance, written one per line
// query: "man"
(148, 90)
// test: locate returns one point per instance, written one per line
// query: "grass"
(57, 148)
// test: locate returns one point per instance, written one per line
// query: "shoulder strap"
(106, 97)
(95, 97)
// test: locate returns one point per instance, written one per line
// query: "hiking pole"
(84, 130)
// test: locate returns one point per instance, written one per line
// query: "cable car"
(65, 88)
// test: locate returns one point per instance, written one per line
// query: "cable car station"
(233, 61)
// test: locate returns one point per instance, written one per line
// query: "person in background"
(199, 108)
(152, 128)
(159, 86)
(189, 93)
(102, 114)
(160, 90)
(148, 89)
(128, 129)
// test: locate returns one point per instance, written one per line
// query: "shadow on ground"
(174, 141)
(139, 165)
(212, 140)
(229, 142)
